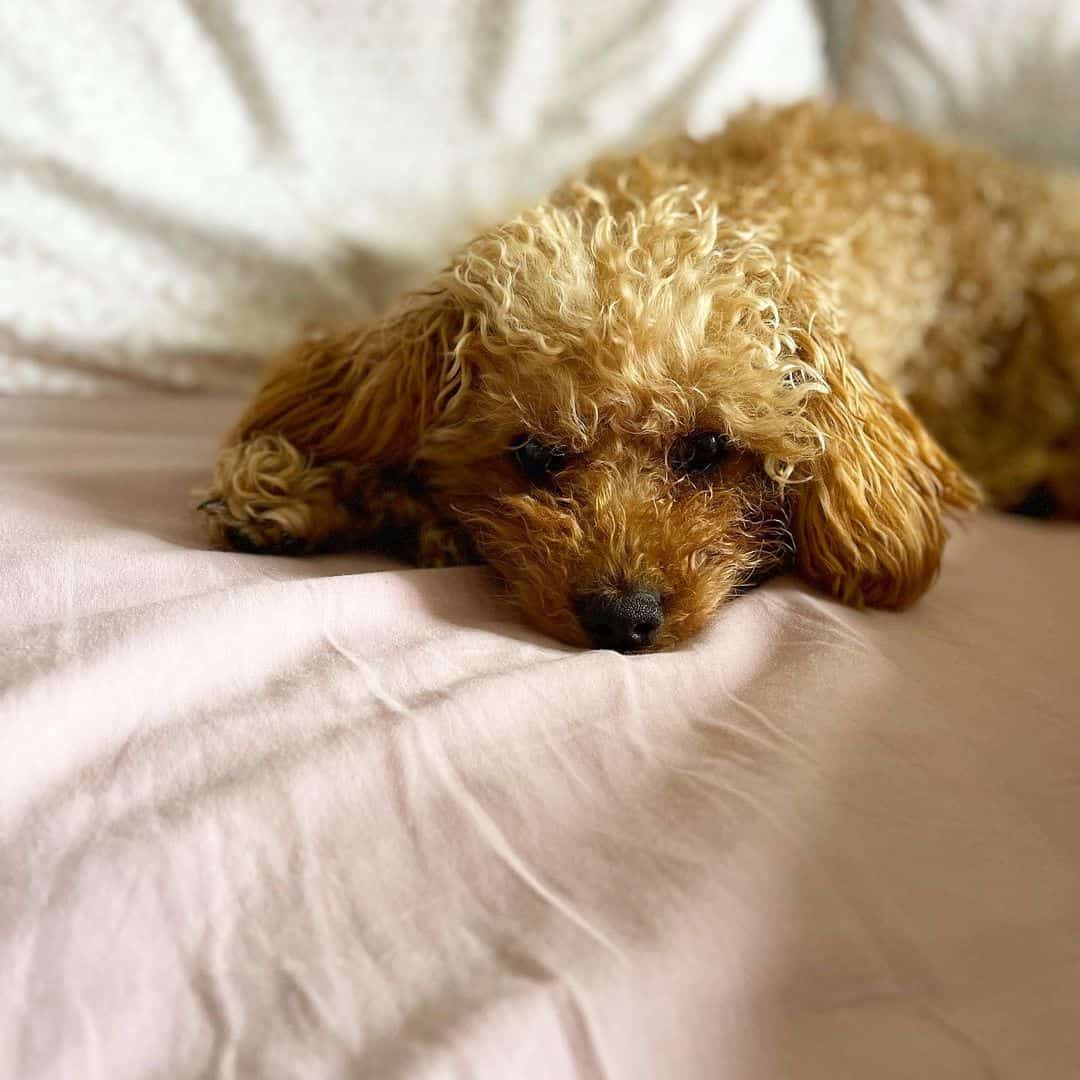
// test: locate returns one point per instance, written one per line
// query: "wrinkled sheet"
(333, 817)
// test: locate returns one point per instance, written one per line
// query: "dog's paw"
(261, 542)
(253, 536)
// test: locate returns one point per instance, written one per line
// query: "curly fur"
(879, 324)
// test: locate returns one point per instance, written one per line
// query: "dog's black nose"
(625, 622)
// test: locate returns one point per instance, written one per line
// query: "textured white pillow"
(187, 184)
(1005, 72)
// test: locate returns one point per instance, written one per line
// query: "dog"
(800, 344)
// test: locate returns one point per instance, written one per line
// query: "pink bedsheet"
(265, 817)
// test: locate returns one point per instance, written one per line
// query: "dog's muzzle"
(627, 622)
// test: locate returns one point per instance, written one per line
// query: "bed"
(328, 817)
(334, 817)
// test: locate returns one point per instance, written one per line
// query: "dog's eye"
(699, 452)
(535, 459)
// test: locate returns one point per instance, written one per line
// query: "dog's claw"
(212, 506)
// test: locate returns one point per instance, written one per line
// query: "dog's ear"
(868, 523)
(371, 394)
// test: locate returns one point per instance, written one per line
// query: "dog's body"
(685, 370)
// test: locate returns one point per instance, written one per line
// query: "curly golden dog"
(800, 343)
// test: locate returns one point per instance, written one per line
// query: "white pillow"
(1005, 72)
(188, 185)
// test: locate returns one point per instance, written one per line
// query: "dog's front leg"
(323, 457)
(268, 497)
(393, 512)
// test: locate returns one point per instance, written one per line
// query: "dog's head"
(638, 413)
